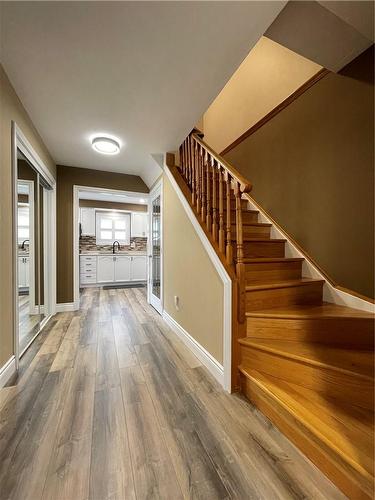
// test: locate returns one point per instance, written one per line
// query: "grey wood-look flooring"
(109, 404)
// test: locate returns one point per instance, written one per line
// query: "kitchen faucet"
(113, 246)
(23, 244)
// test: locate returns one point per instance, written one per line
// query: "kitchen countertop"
(121, 252)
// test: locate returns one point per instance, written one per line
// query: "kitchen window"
(112, 226)
(23, 222)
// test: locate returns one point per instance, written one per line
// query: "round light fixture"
(105, 145)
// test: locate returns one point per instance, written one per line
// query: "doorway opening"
(111, 239)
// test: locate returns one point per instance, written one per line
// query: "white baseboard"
(7, 371)
(212, 365)
(66, 307)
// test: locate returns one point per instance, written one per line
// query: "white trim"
(156, 302)
(212, 365)
(29, 152)
(19, 141)
(66, 307)
(330, 292)
(227, 282)
(7, 371)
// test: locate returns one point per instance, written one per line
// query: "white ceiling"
(141, 71)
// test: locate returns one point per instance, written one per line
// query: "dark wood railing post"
(229, 249)
(214, 200)
(204, 193)
(198, 178)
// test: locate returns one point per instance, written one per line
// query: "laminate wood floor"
(109, 404)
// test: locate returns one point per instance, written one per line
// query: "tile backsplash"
(88, 244)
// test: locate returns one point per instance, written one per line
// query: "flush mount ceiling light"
(105, 145)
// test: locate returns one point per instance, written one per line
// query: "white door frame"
(151, 299)
(19, 141)
(76, 190)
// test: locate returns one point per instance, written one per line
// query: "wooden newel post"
(240, 266)
(229, 249)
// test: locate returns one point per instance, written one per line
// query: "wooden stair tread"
(261, 240)
(318, 311)
(355, 362)
(267, 285)
(257, 224)
(260, 260)
(346, 431)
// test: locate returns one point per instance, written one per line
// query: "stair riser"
(331, 383)
(310, 293)
(341, 473)
(244, 203)
(246, 217)
(262, 232)
(330, 331)
(272, 271)
(253, 249)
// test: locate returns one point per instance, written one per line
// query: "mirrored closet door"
(32, 248)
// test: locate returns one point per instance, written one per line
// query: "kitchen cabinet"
(139, 268)
(122, 267)
(139, 226)
(23, 272)
(105, 269)
(111, 268)
(87, 219)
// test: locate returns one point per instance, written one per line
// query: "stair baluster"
(229, 250)
(214, 200)
(221, 211)
(193, 167)
(204, 199)
(208, 191)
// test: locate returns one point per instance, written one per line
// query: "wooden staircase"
(306, 364)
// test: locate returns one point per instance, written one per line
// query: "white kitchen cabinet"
(139, 268)
(23, 272)
(105, 269)
(122, 267)
(87, 268)
(87, 219)
(139, 224)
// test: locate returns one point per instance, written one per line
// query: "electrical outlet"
(177, 302)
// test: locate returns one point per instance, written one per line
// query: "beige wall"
(190, 274)
(312, 168)
(268, 75)
(11, 109)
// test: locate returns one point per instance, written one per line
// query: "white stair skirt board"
(7, 371)
(227, 283)
(67, 307)
(330, 292)
(212, 365)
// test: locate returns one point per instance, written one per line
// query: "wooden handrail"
(216, 193)
(245, 185)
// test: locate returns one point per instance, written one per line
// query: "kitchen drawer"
(88, 266)
(88, 278)
(87, 258)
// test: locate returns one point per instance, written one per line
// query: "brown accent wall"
(112, 205)
(67, 177)
(11, 109)
(312, 167)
